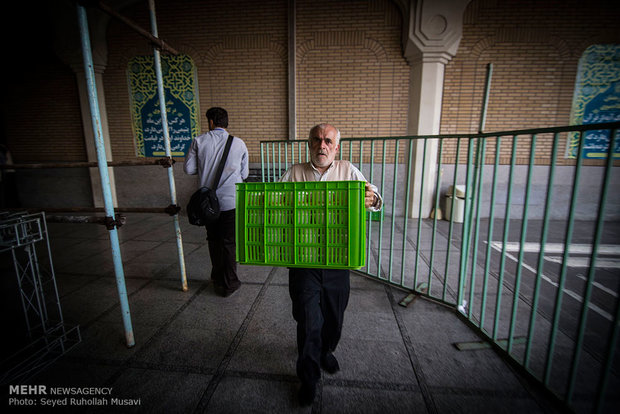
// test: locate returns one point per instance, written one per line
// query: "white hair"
(322, 127)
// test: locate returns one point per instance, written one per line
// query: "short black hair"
(219, 116)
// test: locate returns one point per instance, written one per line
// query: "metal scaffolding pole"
(164, 124)
(154, 39)
(103, 172)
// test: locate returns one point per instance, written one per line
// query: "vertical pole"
(394, 191)
(292, 153)
(380, 242)
(485, 102)
(502, 263)
(557, 310)
(406, 213)
(279, 160)
(37, 284)
(361, 156)
(541, 254)
(517, 283)
(268, 164)
(479, 176)
(490, 234)
(286, 146)
(103, 172)
(20, 276)
(164, 124)
(450, 228)
(612, 342)
(350, 152)
(598, 234)
(273, 156)
(465, 239)
(469, 206)
(369, 225)
(421, 201)
(262, 162)
(307, 147)
(43, 226)
(436, 209)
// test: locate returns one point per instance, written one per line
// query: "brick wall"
(42, 115)
(41, 119)
(350, 71)
(240, 59)
(534, 47)
(350, 68)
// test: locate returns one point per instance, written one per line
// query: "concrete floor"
(198, 352)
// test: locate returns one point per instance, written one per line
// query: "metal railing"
(46, 335)
(511, 255)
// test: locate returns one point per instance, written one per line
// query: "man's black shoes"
(229, 293)
(307, 392)
(306, 395)
(330, 363)
(221, 290)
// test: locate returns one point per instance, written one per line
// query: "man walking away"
(203, 158)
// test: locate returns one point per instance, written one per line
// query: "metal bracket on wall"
(166, 162)
(111, 222)
(172, 209)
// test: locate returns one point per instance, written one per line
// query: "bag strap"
(220, 168)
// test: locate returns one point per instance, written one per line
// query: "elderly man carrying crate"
(320, 295)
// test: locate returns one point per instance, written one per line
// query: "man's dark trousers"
(320, 297)
(221, 238)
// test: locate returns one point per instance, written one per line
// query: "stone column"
(89, 138)
(431, 38)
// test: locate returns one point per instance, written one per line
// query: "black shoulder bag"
(204, 207)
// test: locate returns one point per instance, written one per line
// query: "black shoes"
(307, 392)
(306, 395)
(330, 363)
(229, 293)
(220, 290)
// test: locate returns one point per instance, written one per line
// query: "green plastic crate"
(320, 224)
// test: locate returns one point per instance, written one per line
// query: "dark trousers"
(320, 297)
(221, 238)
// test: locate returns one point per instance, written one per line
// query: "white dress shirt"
(204, 157)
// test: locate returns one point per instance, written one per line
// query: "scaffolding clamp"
(166, 162)
(110, 222)
(172, 209)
